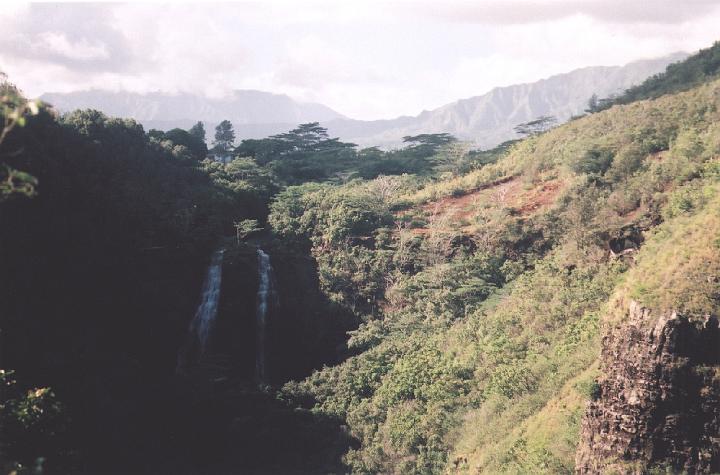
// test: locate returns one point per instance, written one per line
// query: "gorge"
(303, 306)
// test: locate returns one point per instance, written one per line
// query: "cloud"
(82, 50)
(77, 36)
(311, 62)
(366, 59)
(510, 12)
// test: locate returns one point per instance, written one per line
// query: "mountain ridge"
(486, 120)
(244, 108)
(489, 119)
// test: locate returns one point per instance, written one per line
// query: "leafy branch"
(14, 110)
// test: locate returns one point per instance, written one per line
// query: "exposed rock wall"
(658, 401)
(304, 331)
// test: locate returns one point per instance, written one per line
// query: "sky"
(366, 59)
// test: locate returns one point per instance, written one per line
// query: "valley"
(293, 303)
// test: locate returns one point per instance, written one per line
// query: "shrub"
(593, 162)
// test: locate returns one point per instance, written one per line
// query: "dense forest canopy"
(94, 200)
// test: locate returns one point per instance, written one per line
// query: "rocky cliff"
(304, 331)
(657, 403)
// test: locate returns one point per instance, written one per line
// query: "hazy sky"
(366, 59)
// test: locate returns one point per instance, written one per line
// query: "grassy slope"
(679, 266)
(499, 386)
(674, 268)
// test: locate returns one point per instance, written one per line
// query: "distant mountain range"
(489, 119)
(486, 120)
(255, 114)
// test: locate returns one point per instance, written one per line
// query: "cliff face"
(658, 401)
(303, 330)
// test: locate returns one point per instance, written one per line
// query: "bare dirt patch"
(458, 212)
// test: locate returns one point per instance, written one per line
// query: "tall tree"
(193, 142)
(303, 141)
(198, 131)
(592, 104)
(426, 145)
(536, 126)
(453, 157)
(308, 137)
(224, 137)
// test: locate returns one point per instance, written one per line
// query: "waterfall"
(265, 296)
(206, 312)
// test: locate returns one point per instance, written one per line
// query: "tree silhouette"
(536, 126)
(224, 137)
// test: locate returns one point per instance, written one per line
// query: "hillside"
(489, 119)
(681, 76)
(484, 346)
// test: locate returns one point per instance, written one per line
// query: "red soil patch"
(507, 192)
(540, 197)
(463, 207)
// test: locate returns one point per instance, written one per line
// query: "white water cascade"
(265, 296)
(206, 312)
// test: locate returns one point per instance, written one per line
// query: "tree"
(592, 105)
(305, 153)
(305, 137)
(370, 153)
(181, 137)
(198, 131)
(385, 188)
(427, 145)
(454, 157)
(224, 137)
(593, 162)
(14, 109)
(438, 240)
(156, 134)
(596, 104)
(536, 126)
(34, 423)
(245, 228)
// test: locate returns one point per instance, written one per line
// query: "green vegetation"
(184, 142)
(536, 126)
(679, 265)
(14, 110)
(308, 154)
(33, 425)
(681, 76)
(479, 338)
(102, 247)
(121, 222)
(477, 283)
(224, 138)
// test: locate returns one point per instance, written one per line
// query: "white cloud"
(367, 59)
(81, 50)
